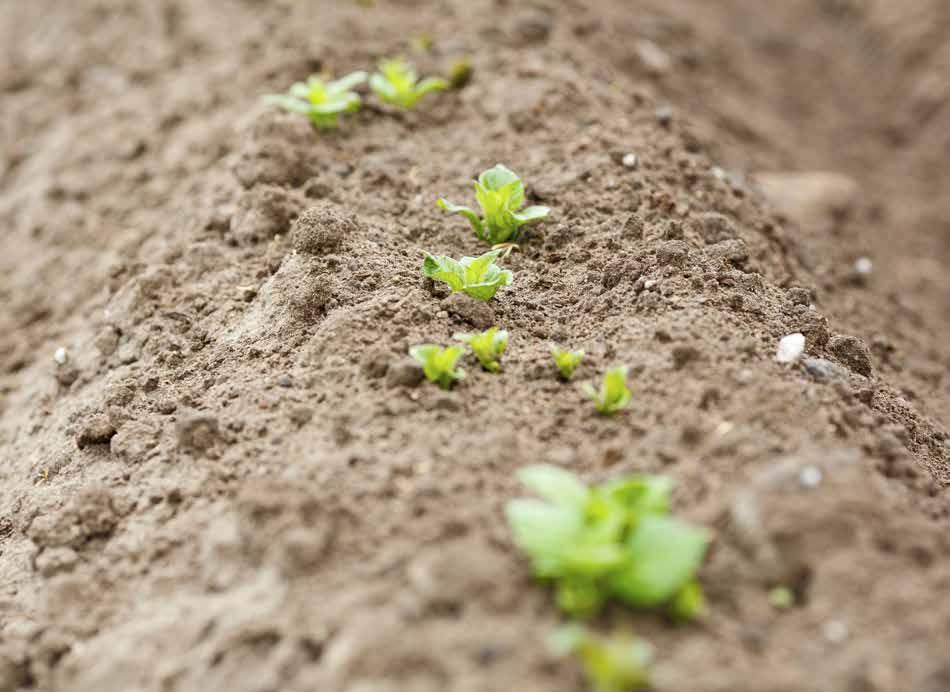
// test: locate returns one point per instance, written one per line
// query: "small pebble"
(810, 477)
(284, 381)
(835, 631)
(630, 160)
(863, 266)
(61, 356)
(790, 348)
(664, 115)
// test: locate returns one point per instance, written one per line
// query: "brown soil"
(235, 481)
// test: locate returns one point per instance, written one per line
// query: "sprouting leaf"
(566, 361)
(555, 485)
(614, 395)
(438, 363)
(500, 194)
(617, 663)
(322, 101)
(613, 540)
(488, 346)
(478, 277)
(397, 83)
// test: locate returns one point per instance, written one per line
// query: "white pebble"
(718, 173)
(61, 356)
(863, 266)
(790, 348)
(835, 631)
(630, 160)
(810, 477)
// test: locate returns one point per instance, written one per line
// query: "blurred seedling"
(566, 361)
(615, 540)
(320, 100)
(398, 84)
(613, 395)
(488, 346)
(439, 364)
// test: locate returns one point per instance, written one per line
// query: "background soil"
(235, 481)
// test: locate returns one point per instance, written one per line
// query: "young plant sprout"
(618, 663)
(438, 363)
(566, 361)
(398, 84)
(613, 395)
(322, 101)
(487, 346)
(500, 193)
(615, 540)
(478, 277)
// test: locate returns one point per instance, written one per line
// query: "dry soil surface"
(230, 477)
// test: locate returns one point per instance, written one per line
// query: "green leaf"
(444, 269)
(566, 361)
(641, 494)
(614, 395)
(543, 531)
(322, 101)
(488, 346)
(438, 363)
(555, 485)
(580, 597)
(664, 554)
(431, 84)
(479, 277)
(618, 663)
(500, 194)
(689, 602)
(531, 214)
(464, 211)
(497, 177)
(344, 84)
(397, 83)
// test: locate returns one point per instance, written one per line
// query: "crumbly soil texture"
(218, 468)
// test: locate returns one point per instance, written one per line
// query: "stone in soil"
(852, 351)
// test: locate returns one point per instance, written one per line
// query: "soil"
(218, 469)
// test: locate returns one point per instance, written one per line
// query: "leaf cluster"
(616, 540)
(616, 663)
(478, 277)
(613, 395)
(320, 100)
(398, 84)
(439, 364)
(566, 360)
(500, 194)
(488, 346)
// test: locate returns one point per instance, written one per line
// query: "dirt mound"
(219, 470)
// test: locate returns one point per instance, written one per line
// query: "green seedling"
(438, 363)
(488, 346)
(500, 193)
(478, 277)
(618, 663)
(322, 101)
(616, 540)
(613, 395)
(566, 361)
(398, 84)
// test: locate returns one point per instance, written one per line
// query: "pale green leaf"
(664, 554)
